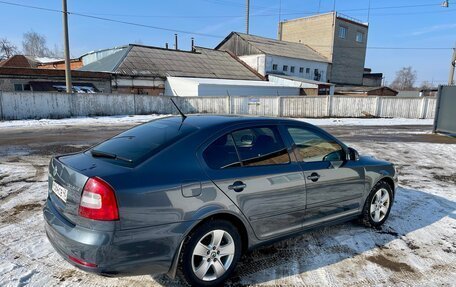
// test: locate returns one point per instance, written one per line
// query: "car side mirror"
(353, 154)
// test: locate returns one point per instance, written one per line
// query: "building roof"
(279, 48)
(302, 80)
(18, 61)
(360, 89)
(147, 61)
(225, 82)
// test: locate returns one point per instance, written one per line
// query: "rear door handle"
(314, 176)
(237, 186)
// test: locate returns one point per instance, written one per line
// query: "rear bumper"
(131, 252)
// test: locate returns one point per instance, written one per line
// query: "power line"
(202, 34)
(114, 20)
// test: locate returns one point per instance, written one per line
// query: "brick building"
(341, 39)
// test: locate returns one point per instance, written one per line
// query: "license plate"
(60, 191)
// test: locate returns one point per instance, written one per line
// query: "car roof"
(207, 121)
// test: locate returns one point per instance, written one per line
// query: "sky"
(392, 24)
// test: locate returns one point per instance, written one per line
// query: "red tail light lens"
(98, 201)
(81, 262)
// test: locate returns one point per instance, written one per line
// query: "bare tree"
(7, 49)
(426, 85)
(34, 44)
(405, 79)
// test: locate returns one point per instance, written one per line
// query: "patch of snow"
(132, 119)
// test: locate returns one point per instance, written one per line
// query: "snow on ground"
(416, 247)
(116, 120)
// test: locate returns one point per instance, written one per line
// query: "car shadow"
(412, 210)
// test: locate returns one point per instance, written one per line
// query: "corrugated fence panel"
(261, 106)
(393, 107)
(26, 105)
(145, 105)
(102, 104)
(309, 107)
(203, 105)
(16, 106)
(353, 106)
(430, 111)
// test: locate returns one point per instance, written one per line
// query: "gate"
(445, 113)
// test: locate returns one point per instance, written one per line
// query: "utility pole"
(247, 16)
(66, 44)
(453, 63)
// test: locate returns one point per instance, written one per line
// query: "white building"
(193, 87)
(270, 56)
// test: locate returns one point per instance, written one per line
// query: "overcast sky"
(415, 24)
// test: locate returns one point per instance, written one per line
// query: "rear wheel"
(378, 205)
(210, 253)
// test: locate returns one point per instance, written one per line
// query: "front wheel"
(378, 205)
(210, 253)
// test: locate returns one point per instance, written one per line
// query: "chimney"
(193, 44)
(175, 42)
(166, 46)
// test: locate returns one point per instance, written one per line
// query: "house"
(365, 91)
(23, 73)
(143, 69)
(270, 56)
(339, 38)
(18, 79)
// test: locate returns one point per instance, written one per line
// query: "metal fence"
(26, 105)
(445, 117)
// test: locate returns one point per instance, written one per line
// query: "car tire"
(377, 206)
(210, 253)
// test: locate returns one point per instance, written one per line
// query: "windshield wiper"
(97, 153)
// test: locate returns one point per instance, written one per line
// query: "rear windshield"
(141, 142)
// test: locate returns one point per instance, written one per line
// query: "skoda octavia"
(190, 195)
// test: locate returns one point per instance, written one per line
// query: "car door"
(252, 166)
(334, 185)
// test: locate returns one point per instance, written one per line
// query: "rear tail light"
(98, 201)
(81, 262)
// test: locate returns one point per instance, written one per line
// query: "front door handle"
(237, 186)
(314, 176)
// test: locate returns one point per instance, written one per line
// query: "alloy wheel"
(213, 255)
(379, 205)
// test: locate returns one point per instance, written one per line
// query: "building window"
(21, 87)
(285, 68)
(307, 70)
(359, 37)
(274, 67)
(292, 69)
(342, 32)
(301, 70)
(18, 87)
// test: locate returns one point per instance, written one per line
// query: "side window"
(260, 146)
(221, 153)
(315, 147)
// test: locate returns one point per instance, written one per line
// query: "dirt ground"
(416, 247)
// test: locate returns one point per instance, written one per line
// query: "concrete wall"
(54, 105)
(348, 54)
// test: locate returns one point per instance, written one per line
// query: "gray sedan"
(191, 195)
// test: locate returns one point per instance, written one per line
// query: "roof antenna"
(180, 112)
